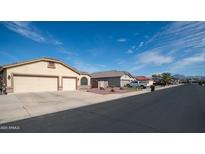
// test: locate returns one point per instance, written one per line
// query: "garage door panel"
(69, 84)
(35, 84)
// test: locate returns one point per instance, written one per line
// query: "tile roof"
(84, 73)
(107, 74)
(142, 78)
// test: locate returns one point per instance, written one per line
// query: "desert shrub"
(112, 90)
(152, 88)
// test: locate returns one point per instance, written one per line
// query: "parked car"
(136, 84)
(133, 84)
(143, 84)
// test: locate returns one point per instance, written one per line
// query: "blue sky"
(142, 48)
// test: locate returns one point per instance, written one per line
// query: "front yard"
(115, 90)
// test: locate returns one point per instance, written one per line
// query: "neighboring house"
(175, 80)
(114, 78)
(43, 74)
(144, 81)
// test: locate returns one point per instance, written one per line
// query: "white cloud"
(133, 47)
(95, 52)
(196, 59)
(28, 30)
(69, 54)
(148, 60)
(137, 67)
(153, 57)
(192, 60)
(129, 51)
(178, 37)
(8, 55)
(121, 40)
(25, 29)
(58, 42)
(120, 61)
(141, 44)
(173, 42)
(84, 66)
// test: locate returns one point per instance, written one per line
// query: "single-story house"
(114, 78)
(145, 81)
(43, 74)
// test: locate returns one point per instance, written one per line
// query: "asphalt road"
(178, 109)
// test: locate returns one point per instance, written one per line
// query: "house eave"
(37, 60)
(106, 77)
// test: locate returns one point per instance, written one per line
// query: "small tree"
(157, 78)
(166, 78)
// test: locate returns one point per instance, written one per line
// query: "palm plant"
(166, 78)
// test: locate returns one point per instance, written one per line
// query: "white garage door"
(69, 84)
(35, 84)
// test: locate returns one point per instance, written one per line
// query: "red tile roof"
(142, 78)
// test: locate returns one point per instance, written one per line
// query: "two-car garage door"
(35, 83)
(30, 83)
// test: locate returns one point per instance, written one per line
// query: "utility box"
(102, 84)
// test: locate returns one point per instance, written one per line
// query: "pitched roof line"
(36, 60)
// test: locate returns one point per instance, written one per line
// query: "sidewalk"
(21, 106)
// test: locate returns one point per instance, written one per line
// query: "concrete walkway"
(21, 106)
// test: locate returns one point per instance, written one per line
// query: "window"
(84, 81)
(51, 64)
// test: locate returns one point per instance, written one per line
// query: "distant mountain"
(183, 77)
(179, 76)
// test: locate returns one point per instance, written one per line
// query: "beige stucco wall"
(87, 76)
(40, 68)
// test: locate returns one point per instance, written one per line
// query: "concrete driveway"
(21, 106)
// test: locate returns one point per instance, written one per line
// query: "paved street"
(178, 109)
